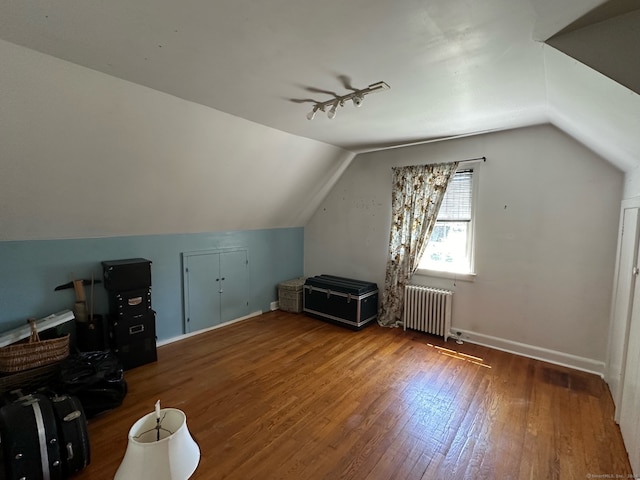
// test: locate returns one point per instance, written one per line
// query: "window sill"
(467, 277)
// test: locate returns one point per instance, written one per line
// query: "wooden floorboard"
(284, 396)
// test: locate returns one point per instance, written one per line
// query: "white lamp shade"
(174, 457)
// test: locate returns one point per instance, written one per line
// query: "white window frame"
(471, 237)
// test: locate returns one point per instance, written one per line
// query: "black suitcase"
(96, 378)
(128, 274)
(71, 421)
(343, 301)
(30, 442)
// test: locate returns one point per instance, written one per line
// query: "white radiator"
(428, 309)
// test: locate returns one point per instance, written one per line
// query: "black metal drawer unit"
(132, 322)
(344, 301)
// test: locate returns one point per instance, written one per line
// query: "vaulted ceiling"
(454, 67)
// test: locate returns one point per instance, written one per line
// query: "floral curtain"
(416, 197)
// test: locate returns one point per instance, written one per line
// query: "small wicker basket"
(34, 353)
(290, 295)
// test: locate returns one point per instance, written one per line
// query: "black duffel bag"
(96, 378)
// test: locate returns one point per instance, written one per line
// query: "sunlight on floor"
(460, 356)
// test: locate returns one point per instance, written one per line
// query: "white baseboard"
(192, 334)
(538, 353)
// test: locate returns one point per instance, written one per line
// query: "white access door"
(623, 367)
(630, 404)
(622, 302)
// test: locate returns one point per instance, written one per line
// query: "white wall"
(83, 154)
(632, 184)
(547, 225)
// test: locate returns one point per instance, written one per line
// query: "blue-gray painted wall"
(30, 270)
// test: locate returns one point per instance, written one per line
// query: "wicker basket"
(30, 380)
(34, 353)
(290, 295)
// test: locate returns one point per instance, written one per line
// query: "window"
(450, 248)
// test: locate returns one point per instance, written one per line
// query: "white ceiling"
(454, 67)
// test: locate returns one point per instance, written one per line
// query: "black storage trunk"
(127, 274)
(344, 301)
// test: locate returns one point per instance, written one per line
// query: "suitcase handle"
(136, 329)
(69, 451)
(72, 416)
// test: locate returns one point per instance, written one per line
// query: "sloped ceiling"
(597, 111)
(454, 67)
(604, 40)
(593, 81)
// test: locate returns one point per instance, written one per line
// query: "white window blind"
(456, 204)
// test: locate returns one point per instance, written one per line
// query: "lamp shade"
(175, 456)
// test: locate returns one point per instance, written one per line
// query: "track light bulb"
(312, 114)
(332, 113)
(357, 100)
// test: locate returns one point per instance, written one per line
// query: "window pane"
(450, 247)
(447, 249)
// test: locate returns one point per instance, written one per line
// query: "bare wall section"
(84, 154)
(547, 223)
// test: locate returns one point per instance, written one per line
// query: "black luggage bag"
(71, 421)
(96, 378)
(344, 301)
(30, 441)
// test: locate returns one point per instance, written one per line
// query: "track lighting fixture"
(357, 97)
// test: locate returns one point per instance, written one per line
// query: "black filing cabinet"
(132, 321)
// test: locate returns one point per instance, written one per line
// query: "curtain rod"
(484, 159)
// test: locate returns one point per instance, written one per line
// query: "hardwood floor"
(284, 396)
